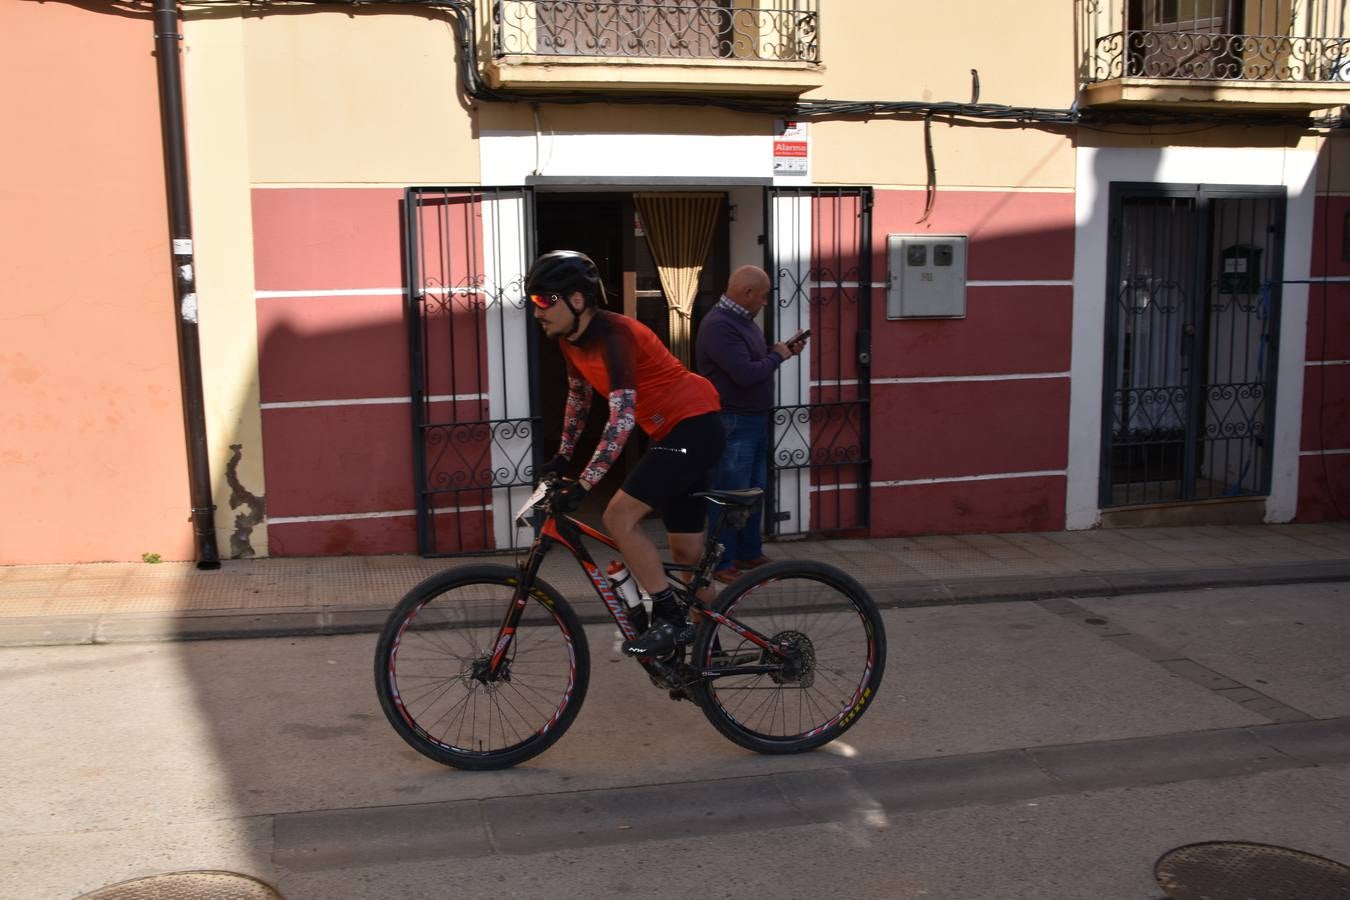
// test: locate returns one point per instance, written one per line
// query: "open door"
(818, 254)
(474, 398)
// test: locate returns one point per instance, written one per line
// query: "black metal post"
(167, 38)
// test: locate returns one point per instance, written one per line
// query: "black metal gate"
(818, 252)
(1193, 309)
(471, 351)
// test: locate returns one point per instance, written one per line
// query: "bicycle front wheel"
(431, 666)
(834, 647)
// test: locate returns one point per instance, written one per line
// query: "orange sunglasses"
(544, 301)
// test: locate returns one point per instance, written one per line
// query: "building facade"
(1086, 265)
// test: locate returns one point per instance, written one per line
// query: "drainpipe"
(167, 41)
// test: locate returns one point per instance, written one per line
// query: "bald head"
(748, 286)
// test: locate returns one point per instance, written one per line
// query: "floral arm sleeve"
(622, 421)
(579, 395)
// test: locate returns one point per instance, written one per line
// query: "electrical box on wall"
(926, 276)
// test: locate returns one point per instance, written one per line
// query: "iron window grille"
(1272, 41)
(737, 30)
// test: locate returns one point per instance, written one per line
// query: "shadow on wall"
(1324, 470)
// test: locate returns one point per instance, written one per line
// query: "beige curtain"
(679, 231)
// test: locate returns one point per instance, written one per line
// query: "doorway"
(1193, 301)
(606, 228)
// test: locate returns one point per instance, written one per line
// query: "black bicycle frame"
(567, 531)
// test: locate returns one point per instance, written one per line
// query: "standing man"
(645, 386)
(733, 354)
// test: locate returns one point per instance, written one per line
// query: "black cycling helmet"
(562, 272)
(565, 271)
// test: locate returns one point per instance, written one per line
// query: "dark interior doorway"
(604, 226)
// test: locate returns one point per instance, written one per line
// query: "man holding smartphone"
(733, 354)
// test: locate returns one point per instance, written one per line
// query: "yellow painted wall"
(218, 146)
(889, 153)
(1333, 175)
(92, 454)
(360, 97)
(924, 53)
(286, 97)
(885, 50)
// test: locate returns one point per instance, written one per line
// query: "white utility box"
(926, 276)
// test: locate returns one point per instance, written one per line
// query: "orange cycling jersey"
(616, 353)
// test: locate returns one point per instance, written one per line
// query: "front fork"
(507, 630)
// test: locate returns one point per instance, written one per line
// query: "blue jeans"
(744, 464)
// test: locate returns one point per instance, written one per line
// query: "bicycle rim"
(430, 671)
(836, 639)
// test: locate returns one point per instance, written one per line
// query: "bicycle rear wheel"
(431, 661)
(836, 653)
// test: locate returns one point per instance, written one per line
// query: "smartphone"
(800, 336)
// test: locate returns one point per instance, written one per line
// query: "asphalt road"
(1017, 750)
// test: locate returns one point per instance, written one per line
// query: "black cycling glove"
(570, 496)
(554, 466)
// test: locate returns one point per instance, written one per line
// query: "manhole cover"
(187, 886)
(1230, 870)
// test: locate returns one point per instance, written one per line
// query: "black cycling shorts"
(677, 466)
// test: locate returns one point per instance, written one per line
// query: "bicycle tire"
(448, 714)
(805, 604)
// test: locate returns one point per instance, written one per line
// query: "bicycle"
(486, 666)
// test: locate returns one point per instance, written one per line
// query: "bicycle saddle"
(742, 497)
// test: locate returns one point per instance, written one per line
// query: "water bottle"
(626, 586)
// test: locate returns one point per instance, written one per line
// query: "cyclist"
(647, 387)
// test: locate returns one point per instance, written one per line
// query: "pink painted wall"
(1008, 431)
(334, 377)
(1324, 478)
(333, 370)
(92, 458)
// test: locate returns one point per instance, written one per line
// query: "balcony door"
(654, 29)
(1185, 38)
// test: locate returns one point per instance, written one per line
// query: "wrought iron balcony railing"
(1232, 41)
(665, 30)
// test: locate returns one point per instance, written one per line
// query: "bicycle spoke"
(826, 638)
(438, 665)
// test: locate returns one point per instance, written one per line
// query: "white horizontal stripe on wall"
(1048, 283)
(398, 292)
(881, 285)
(1339, 451)
(360, 292)
(958, 478)
(387, 514)
(350, 292)
(366, 401)
(1329, 362)
(941, 379)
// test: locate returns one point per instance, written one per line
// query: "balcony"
(1259, 55)
(754, 47)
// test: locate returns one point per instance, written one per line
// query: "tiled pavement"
(139, 601)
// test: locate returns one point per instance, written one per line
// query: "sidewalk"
(112, 602)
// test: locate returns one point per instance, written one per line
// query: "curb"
(225, 624)
(556, 822)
